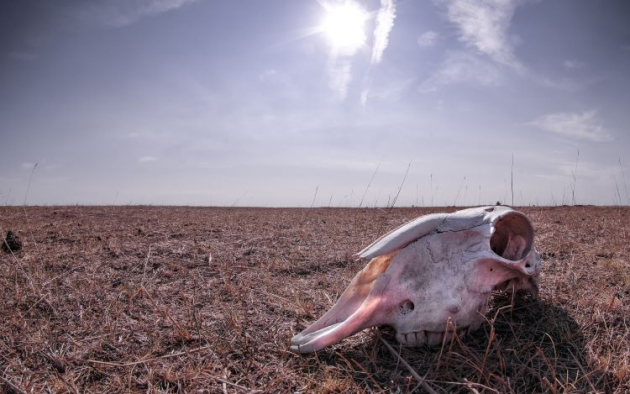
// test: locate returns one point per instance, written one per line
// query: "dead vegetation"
(154, 299)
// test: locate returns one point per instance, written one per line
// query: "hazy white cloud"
(146, 159)
(384, 24)
(281, 82)
(579, 125)
(585, 169)
(428, 39)
(339, 77)
(484, 24)
(154, 137)
(572, 63)
(392, 90)
(463, 67)
(42, 165)
(558, 83)
(118, 13)
(269, 75)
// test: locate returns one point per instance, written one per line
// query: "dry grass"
(153, 299)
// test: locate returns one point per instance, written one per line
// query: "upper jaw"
(419, 337)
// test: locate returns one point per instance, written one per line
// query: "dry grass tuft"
(174, 300)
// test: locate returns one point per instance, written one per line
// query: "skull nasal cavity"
(406, 307)
(513, 236)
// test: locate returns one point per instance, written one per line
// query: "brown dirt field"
(205, 300)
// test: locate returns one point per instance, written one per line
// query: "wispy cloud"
(340, 68)
(578, 125)
(119, 13)
(428, 39)
(463, 67)
(384, 24)
(393, 90)
(572, 63)
(269, 75)
(558, 83)
(484, 25)
(147, 159)
(586, 169)
(42, 165)
(344, 26)
(339, 77)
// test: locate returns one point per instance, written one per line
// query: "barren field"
(206, 300)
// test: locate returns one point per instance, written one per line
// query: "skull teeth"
(434, 338)
(431, 338)
(414, 338)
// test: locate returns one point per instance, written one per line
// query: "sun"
(344, 24)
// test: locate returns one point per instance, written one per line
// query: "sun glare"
(344, 26)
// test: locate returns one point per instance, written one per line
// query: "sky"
(314, 103)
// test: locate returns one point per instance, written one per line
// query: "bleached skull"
(435, 270)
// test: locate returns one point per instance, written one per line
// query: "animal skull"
(432, 271)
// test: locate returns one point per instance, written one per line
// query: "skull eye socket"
(513, 237)
(406, 307)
